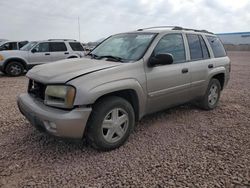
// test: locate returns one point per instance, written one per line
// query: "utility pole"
(79, 29)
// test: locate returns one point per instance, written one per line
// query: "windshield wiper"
(93, 55)
(111, 57)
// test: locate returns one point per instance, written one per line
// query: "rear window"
(76, 46)
(216, 46)
(58, 47)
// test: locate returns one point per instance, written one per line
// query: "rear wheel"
(211, 98)
(111, 123)
(14, 69)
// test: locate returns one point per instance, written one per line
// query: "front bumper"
(62, 123)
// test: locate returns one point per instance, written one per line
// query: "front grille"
(36, 89)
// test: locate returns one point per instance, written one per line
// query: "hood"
(66, 70)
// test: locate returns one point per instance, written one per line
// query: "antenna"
(79, 29)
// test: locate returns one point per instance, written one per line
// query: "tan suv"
(126, 77)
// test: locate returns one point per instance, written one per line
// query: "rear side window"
(205, 52)
(76, 46)
(216, 46)
(10, 46)
(194, 47)
(58, 47)
(172, 44)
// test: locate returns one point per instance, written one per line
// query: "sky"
(44, 19)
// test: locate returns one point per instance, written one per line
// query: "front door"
(168, 85)
(40, 54)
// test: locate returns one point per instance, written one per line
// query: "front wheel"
(14, 69)
(211, 98)
(111, 123)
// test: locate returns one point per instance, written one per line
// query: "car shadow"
(188, 107)
(51, 144)
(7, 76)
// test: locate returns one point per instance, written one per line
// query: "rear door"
(58, 51)
(40, 53)
(168, 85)
(200, 60)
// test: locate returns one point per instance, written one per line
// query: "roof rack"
(62, 39)
(195, 30)
(156, 27)
(176, 28)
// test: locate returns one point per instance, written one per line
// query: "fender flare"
(24, 63)
(93, 94)
(217, 70)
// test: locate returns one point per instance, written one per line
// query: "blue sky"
(38, 20)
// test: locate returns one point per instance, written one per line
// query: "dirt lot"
(184, 146)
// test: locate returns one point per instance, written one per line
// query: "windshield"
(124, 47)
(28, 46)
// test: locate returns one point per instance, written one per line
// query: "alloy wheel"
(115, 125)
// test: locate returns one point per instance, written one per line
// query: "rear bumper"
(62, 123)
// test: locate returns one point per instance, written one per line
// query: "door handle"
(210, 66)
(66, 53)
(47, 53)
(185, 70)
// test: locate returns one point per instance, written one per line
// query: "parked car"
(3, 40)
(12, 45)
(126, 77)
(15, 62)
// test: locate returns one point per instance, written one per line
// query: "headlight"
(61, 96)
(1, 58)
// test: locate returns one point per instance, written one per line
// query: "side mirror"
(161, 59)
(33, 50)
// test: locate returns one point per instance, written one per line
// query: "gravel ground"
(180, 147)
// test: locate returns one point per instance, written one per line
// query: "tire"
(14, 68)
(3, 71)
(120, 120)
(212, 96)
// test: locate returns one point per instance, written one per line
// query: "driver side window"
(42, 47)
(172, 44)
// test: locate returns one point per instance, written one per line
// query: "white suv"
(15, 62)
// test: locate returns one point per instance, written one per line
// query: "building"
(235, 38)
(239, 41)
